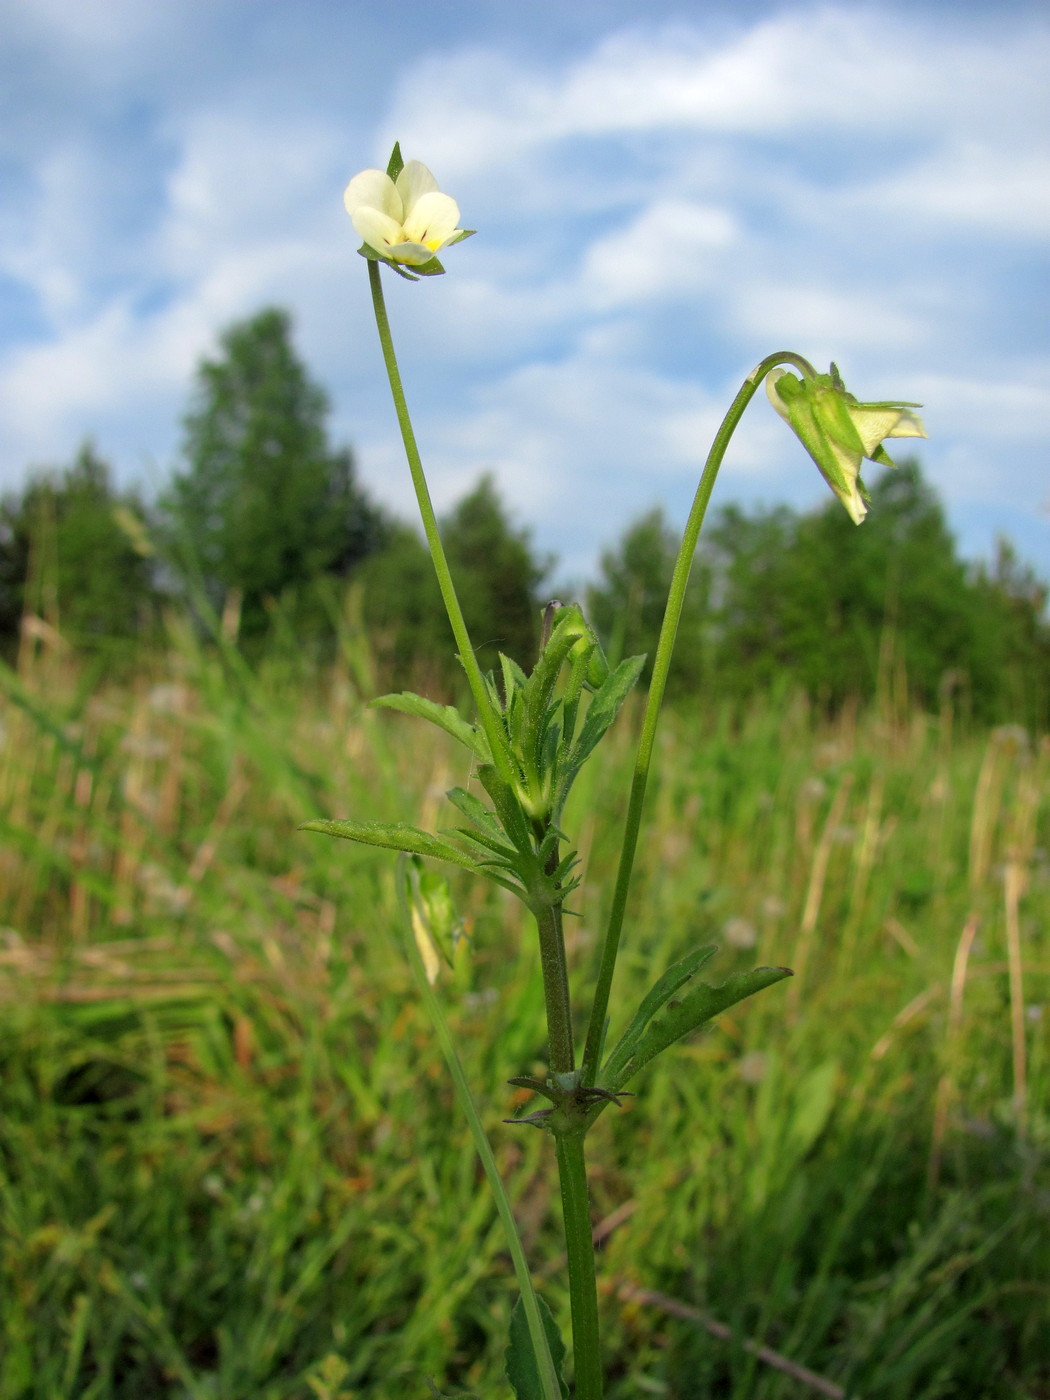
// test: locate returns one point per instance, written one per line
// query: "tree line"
(265, 522)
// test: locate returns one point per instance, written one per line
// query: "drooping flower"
(403, 220)
(837, 431)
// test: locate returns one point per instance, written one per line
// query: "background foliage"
(265, 524)
(226, 1162)
(230, 1163)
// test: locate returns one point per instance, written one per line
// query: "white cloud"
(653, 208)
(828, 321)
(972, 186)
(819, 69)
(673, 246)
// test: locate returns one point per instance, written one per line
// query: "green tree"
(264, 502)
(1013, 637)
(832, 608)
(77, 553)
(782, 599)
(497, 577)
(626, 605)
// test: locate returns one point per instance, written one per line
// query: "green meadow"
(230, 1160)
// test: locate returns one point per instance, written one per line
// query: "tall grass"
(230, 1164)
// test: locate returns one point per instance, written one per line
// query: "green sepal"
(370, 253)
(395, 164)
(695, 1009)
(520, 1359)
(654, 1001)
(459, 237)
(446, 717)
(428, 269)
(393, 836)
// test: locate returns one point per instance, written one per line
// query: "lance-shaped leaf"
(394, 836)
(514, 680)
(655, 1000)
(698, 1006)
(508, 808)
(475, 812)
(446, 717)
(520, 1358)
(604, 707)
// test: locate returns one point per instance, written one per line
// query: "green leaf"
(695, 1009)
(520, 1359)
(508, 809)
(604, 707)
(514, 679)
(658, 996)
(446, 717)
(475, 812)
(393, 836)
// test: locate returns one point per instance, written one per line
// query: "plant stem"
(562, 1056)
(486, 714)
(579, 1246)
(657, 685)
(538, 1336)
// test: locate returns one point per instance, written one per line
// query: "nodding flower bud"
(837, 431)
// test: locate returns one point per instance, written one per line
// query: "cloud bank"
(659, 208)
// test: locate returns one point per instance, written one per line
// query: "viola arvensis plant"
(528, 738)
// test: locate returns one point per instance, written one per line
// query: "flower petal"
(412, 254)
(376, 229)
(414, 181)
(373, 189)
(874, 424)
(432, 220)
(910, 425)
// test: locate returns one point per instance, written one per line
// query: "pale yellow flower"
(838, 432)
(407, 220)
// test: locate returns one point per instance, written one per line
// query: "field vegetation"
(231, 1167)
(230, 1163)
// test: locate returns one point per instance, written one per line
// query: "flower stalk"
(468, 660)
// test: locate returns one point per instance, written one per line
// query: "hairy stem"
(579, 1246)
(556, 989)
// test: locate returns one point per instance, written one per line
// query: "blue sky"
(664, 192)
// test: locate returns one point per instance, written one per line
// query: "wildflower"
(837, 431)
(404, 219)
